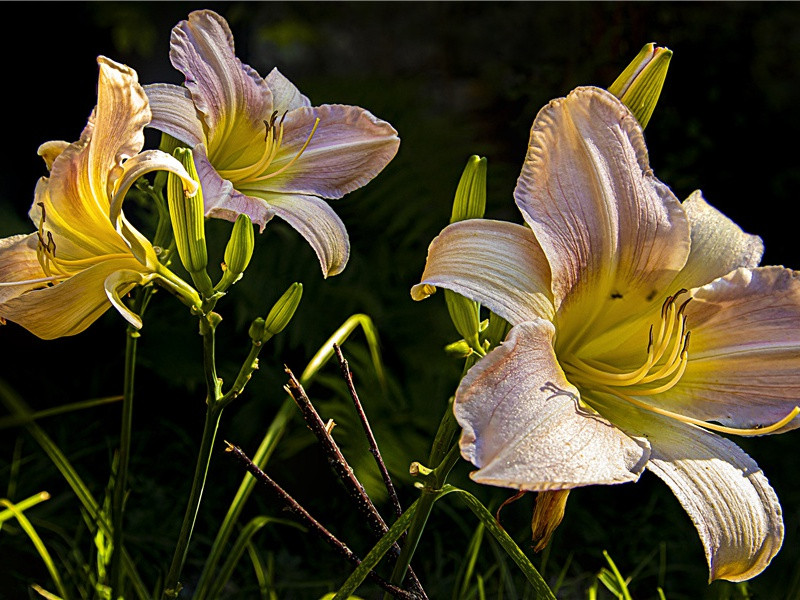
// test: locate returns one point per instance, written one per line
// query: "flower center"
(272, 143)
(667, 357)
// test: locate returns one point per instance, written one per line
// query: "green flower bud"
(258, 330)
(238, 252)
(470, 200)
(639, 85)
(168, 145)
(459, 349)
(284, 309)
(187, 214)
(496, 330)
(469, 203)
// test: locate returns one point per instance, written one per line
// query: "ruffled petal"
(49, 151)
(69, 307)
(744, 352)
(725, 493)
(613, 234)
(232, 97)
(525, 427)
(18, 263)
(348, 149)
(174, 113)
(498, 264)
(285, 96)
(318, 224)
(718, 245)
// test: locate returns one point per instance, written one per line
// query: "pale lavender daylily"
(261, 149)
(85, 255)
(641, 325)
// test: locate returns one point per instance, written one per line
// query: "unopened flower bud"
(187, 214)
(470, 200)
(258, 330)
(465, 315)
(547, 516)
(639, 85)
(239, 250)
(459, 349)
(284, 309)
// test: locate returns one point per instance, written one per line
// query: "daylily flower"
(85, 256)
(260, 147)
(641, 326)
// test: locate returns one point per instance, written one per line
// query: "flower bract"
(85, 255)
(642, 328)
(261, 149)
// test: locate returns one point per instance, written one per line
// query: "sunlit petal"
(18, 263)
(49, 151)
(174, 113)
(285, 96)
(119, 283)
(233, 98)
(68, 307)
(318, 224)
(614, 235)
(495, 263)
(744, 367)
(525, 427)
(348, 149)
(718, 245)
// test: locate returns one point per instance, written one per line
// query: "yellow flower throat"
(272, 143)
(667, 357)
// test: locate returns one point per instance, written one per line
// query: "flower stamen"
(291, 162)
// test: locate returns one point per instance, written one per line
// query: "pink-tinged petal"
(744, 351)
(222, 201)
(174, 113)
(614, 235)
(49, 151)
(495, 263)
(318, 224)
(285, 96)
(232, 97)
(725, 493)
(69, 307)
(18, 263)
(348, 149)
(117, 285)
(525, 427)
(718, 245)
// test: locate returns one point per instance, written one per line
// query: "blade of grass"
(38, 544)
(22, 419)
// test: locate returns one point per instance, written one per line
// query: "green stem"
(445, 455)
(121, 480)
(208, 325)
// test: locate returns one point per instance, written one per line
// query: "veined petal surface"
(233, 98)
(174, 113)
(498, 264)
(525, 427)
(613, 234)
(744, 354)
(285, 95)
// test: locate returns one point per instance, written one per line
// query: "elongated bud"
(470, 200)
(469, 203)
(284, 309)
(187, 214)
(238, 252)
(496, 331)
(547, 516)
(639, 85)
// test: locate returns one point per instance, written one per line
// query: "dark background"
(454, 79)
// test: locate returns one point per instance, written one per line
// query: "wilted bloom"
(85, 256)
(261, 149)
(641, 325)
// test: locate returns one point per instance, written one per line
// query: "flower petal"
(285, 96)
(119, 283)
(18, 263)
(525, 428)
(318, 224)
(718, 245)
(174, 113)
(495, 263)
(50, 151)
(744, 352)
(233, 98)
(725, 493)
(222, 201)
(349, 148)
(69, 307)
(614, 235)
